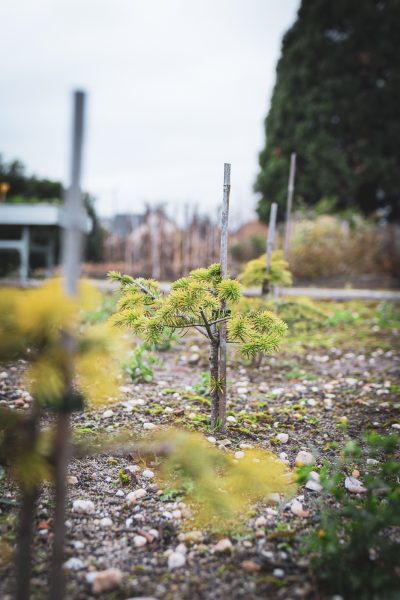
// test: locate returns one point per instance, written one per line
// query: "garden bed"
(326, 387)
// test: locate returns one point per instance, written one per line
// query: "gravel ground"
(315, 395)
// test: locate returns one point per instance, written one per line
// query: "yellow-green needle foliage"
(255, 274)
(196, 302)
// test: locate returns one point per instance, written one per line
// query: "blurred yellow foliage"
(221, 490)
(33, 326)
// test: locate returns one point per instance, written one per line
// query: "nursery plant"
(139, 365)
(255, 273)
(200, 301)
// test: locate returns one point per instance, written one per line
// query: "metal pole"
(224, 275)
(289, 203)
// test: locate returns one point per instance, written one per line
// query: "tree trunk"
(214, 384)
(265, 289)
(62, 451)
(25, 534)
(26, 522)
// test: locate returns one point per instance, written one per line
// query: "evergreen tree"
(335, 103)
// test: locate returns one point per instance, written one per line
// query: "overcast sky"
(175, 89)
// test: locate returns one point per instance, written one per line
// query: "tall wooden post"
(270, 244)
(72, 253)
(186, 241)
(289, 203)
(224, 275)
(155, 242)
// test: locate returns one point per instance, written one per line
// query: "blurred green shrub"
(139, 365)
(355, 551)
(327, 246)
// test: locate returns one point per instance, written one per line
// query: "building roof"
(35, 214)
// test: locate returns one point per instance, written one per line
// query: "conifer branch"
(207, 326)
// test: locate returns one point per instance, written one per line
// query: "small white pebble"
(181, 548)
(304, 458)
(223, 545)
(106, 522)
(149, 426)
(133, 497)
(260, 522)
(354, 486)
(132, 468)
(84, 507)
(154, 533)
(176, 560)
(139, 541)
(74, 564)
(279, 573)
(148, 474)
(107, 414)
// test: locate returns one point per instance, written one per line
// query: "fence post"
(289, 203)
(224, 275)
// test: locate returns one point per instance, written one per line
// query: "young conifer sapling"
(194, 302)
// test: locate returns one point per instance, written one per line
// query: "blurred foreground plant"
(219, 489)
(40, 326)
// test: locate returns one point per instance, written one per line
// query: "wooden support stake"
(186, 242)
(270, 245)
(289, 203)
(72, 253)
(224, 275)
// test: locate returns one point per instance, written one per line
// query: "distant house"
(247, 242)
(122, 224)
(28, 229)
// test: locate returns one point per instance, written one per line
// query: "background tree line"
(335, 103)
